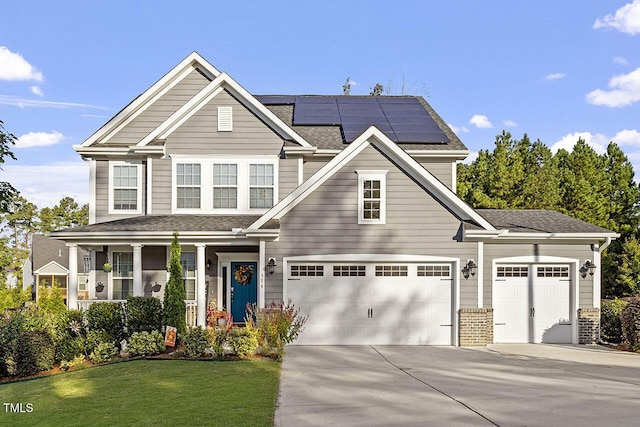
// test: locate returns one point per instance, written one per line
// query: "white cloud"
(598, 142)
(626, 19)
(625, 90)
(555, 76)
(620, 60)
(457, 129)
(14, 67)
(38, 103)
(39, 139)
(44, 185)
(510, 123)
(36, 90)
(480, 121)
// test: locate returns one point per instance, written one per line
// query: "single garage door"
(532, 304)
(373, 303)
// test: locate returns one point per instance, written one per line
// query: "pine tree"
(175, 308)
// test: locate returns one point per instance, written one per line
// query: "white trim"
(92, 191)
(262, 262)
(531, 260)
(43, 270)
(224, 260)
(405, 162)
(149, 186)
(177, 74)
(480, 277)
(225, 118)
(372, 175)
(138, 165)
(597, 278)
(454, 177)
(300, 170)
(507, 235)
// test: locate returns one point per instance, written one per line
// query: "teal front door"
(244, 288)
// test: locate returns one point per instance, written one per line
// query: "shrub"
(144, 314)
(630, 319)
(196, 341)
(277, 325)
(243, 341)
(65, 365)
(610, 324)
(104, 352)
(218, 339)
(94, 338)
(106, 316)
(50, 301)
(174, 306)
(145, 343)
(11, 326)
(69, 347)
(34, 352)
(14, 297)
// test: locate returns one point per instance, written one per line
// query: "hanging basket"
(106, 267)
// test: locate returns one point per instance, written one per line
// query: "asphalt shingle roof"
(170, 223)
(537, 221)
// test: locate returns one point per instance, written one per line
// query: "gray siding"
(577, 251)
(287, 176)
(156, 113)
(199, 135)
(161, 186)
(441, 169)
(312, 166)
(327, 223)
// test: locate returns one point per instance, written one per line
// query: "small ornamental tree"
(175, 308)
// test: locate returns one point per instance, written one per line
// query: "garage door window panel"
(349, 270)
(391, 271)
(434, 271)
(307, 271)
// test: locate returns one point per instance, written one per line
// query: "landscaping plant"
(243, 341)
(145, 343)
(34, 352)
(107, 317)
(174, 306)
(630, 319)
(143, 314)
(196, 341)
(610, 323)
(277, 325)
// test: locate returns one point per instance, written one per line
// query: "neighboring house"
(344, 204)
(50, 263)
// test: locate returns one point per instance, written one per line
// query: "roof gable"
(52, 267)
(405, 162)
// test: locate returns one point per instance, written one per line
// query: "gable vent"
(225, 119)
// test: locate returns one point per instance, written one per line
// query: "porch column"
(201, 289)
(137, 270)
(262, 262)
(72, 284)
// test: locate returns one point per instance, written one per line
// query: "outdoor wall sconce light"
(588, 267)
(271, 265)
(208, 264)
(470, 268)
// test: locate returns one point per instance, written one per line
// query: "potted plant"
(106, 267)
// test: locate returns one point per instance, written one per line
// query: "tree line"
(596, 188)
(20, 219)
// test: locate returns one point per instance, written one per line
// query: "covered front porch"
(224, 270)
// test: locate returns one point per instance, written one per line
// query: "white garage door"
(373, 303)
(532, 304)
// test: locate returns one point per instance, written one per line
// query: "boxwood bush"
(145, 343)
(34, 352)
(630, 319)
(610, 324)
(143, 314)
(106, 316)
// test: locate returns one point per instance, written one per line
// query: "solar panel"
(276, 99)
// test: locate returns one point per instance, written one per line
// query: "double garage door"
(373, 303)
(532, 304)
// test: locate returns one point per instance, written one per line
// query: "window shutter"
(225, 119)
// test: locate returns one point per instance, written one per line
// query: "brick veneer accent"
(588, 325)
(476, 327)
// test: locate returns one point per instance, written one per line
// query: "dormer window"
(371, 197)
(125, 193)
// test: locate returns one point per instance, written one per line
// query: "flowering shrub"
(277, 325)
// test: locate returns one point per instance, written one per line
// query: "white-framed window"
(188, 261)
(122, 275)
(307, 271)
(225, 119)
(125, 187)
(261, 185)
(372, 190)
(188, 180)
(225, 186)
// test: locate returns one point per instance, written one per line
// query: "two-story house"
(344, 204)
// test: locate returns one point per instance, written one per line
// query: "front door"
(244, 287)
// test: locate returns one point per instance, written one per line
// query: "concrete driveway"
(503, 385)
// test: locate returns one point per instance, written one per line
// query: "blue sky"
(553, 70)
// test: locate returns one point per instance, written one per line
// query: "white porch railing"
(191, 314)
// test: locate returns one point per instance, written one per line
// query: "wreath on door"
(243, 274)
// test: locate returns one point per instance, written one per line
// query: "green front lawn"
(149, 393)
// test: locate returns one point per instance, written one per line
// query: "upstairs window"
(261, 185)
(188, 186)
(125, 195)
(371, 197)
(225, 186)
